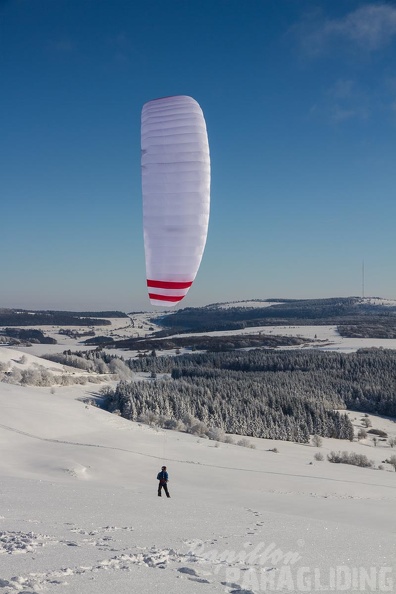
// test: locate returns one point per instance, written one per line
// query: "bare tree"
(317, 441)
(392, 461)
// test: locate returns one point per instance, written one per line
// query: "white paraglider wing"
(176, 195)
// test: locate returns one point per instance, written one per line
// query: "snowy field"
(134, 326)
(322, 337)
(80, 514)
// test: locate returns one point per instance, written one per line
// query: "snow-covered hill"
(80, 514)
(18, 367)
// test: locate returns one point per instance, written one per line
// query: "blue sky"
(299, 98)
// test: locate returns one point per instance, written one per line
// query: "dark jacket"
(162, 476)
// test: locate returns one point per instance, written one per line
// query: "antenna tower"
(363, 279)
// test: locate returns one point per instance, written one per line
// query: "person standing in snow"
(163, 478)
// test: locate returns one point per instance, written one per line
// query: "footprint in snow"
(236, 589)
(188, 570)
(194, 575)
(14, 543)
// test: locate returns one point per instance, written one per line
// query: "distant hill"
(20, 317)
(350, 314)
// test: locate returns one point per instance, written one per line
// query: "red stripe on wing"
(166, 297)
(168, 284)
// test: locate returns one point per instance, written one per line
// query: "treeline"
(239, 404)
(93, 362)
(10, 317)
(375, 329)
(286, 395)
(75, 334)
(30, 336)
(365, 380)
(205, 343)
(42, 377)
(93, 314)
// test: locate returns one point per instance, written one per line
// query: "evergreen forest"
(285, 394)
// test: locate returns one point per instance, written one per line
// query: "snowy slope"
(79, 511)
(22, 360)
